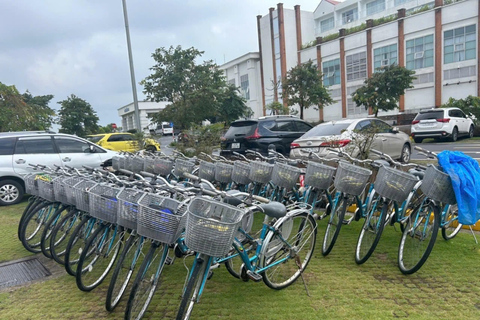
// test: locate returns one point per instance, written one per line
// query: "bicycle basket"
(394, 184)
(31, 186)
(128, 207)
(182, 166)
(437, 185)
(206, 170)
(240, 173)
(160, 218)
(223, 172)
(116, 163)
(69, 188)
(137, 164)
(351, 179)
(163, 167)
(319, 175)
(284, 175)
(45, 187)
(211, 226)
(260, 172)
(103, 202)
(149, 165)
(82, 198)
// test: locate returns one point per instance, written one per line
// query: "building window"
(327, 24)
(385, 56)
(399, 2)
(357, 66)
(350, 16)
(275, 26)
(375, 7)
(244, 86)
(459, 44)
(420, 52)
(331, 72)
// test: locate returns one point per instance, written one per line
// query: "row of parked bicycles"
(256, 215)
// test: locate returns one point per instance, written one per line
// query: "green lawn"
(445, 288)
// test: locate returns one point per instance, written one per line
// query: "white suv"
(441, 123)
(19, 149)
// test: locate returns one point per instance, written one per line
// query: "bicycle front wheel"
(287, 253)
(334, 224)
(418, 238)
(451, 225)
(372, 229)
(49, 226)
(61, 233)
(33, 225)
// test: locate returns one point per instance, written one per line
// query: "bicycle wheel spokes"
(77, 242)
(32, 226)
(372, 229)
(284, 262)
(418, 238)
(334, 225)
(451, 227)
(48, 229)
(61, 235)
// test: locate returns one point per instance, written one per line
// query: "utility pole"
(132, 72)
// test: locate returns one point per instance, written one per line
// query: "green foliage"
(309, 44)
(330, 37)
(43, 115)
(420, 10)
(303, 87)
(232, 106)
(470, 106)
(76, 116)
(383, 90)
(200, 139)
(277, 108)
(382, 20)
(351, 30)
(106, 129)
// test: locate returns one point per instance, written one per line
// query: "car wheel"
(406, 153)
(151, 149)
(418, 140)
(470, 132)
(454, 136)
(11, 192)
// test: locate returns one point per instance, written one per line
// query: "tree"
(382, 91)
(42, 114)
(195, 91)
(232, 106)
(470, 106)
(303, 86)
(277, 108)
(76, 116)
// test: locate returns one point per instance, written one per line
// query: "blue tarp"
(465, 174)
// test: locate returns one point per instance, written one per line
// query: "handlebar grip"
(68, 167)
(260, 199)
(376, 152)
(129, 173)
(88, 168)
(147, 174)
(191, 176)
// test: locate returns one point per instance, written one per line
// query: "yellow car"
(122, 141)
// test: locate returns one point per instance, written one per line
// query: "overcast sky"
(64, 47)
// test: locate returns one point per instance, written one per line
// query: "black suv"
(258, 134)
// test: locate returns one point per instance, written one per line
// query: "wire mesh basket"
(116, 160)
(437, 185)
(394, 184)
(59, 189)
(161, 218)
(319, 175)
(82, 199)
(183, 166)
(284, 175)
(136, 164)
(103, 202)
(149, 165)
(163, 167)
(240, 173)
(206, 170)
(351, 179)
(45, 187)
(31, 185)
(122, 163)
(260, 172)
(223, 172)
(69, 185)
(211, 226)
(128, 207)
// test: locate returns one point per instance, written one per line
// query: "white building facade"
(146, 108)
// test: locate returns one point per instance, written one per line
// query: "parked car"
(347, 134)
(19, 149)
(258, 134)
(122, 141)
(164, 129)
(441, 123)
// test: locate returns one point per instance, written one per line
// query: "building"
(244, 73)
(349, 40)
(146, 108)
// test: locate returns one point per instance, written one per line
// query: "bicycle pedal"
(254, 276)
(210, 275)
(169, 261)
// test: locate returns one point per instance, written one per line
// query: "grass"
(446, 286)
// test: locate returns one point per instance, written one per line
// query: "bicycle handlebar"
(426, 153)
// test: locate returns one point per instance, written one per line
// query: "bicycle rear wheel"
(33, 225)
(418, 238)
(334, 224)
(372, 229)
(285, 262)
(60, 234)
(451, 225)
(49, 226)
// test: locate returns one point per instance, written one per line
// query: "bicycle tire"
(77, 242)
(372, 229)
(93, 267)
(301, 238)
(123, 271)
(60, 234)
(146, 281)
(49, 226)
(418, 238)
(33, 202)
(32, 226)
(450, 229)
(191, 293)
(334, 225)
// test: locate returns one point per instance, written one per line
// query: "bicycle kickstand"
(299, 265)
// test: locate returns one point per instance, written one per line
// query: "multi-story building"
(349, 40)
(146, 110)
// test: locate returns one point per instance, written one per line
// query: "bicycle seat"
(206, 186)
(418, 173)
(274, 209)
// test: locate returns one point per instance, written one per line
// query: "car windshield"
(241, 129)
(327, 129)
(166, 126)
(425, 115)
(95, 139)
